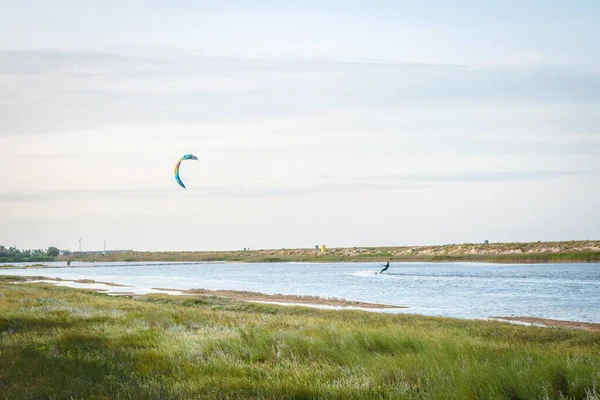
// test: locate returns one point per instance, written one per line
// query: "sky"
(344, 123)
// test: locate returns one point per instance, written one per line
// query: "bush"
(52, 251)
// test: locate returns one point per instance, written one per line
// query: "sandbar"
(281, 298)
(586, 326)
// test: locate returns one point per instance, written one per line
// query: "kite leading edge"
(185, 157)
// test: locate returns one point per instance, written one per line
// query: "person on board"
(386, 266)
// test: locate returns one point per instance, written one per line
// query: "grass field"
(62, 343)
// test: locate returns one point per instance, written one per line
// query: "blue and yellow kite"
(185, 157)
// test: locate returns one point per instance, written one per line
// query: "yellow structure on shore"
(323, 249)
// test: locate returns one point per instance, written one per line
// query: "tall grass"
(64, 343)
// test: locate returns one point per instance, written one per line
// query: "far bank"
(534, 252)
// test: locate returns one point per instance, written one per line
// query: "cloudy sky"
(345, 123)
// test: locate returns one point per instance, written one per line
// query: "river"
(462, 290)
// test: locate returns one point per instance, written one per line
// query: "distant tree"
(52, 251)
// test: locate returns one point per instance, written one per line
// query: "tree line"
(13, 254)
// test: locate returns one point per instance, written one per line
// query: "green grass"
(63, 343)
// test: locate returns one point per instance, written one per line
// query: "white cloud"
(292, 151)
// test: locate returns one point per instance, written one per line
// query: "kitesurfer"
(386, 266)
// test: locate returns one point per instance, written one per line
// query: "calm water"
(464, 290)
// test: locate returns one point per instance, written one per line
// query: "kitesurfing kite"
(185, 157)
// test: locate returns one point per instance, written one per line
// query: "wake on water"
(368, 273)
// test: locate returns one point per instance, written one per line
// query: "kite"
(185, 157)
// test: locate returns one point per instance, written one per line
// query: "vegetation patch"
(66, 343)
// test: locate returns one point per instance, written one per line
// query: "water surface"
(463, 290)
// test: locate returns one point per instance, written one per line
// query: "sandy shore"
(93, 281)
(280, 298)
(586, 326)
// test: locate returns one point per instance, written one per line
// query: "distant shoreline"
(533, 252)
(575, 251)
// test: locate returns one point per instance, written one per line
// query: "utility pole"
(79, 245)
(105, 247)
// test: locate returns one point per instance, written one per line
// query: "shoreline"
(293, 300)
(555, 323)
(281, 298)
(547, 252)
(230, 294)
(594, 258)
